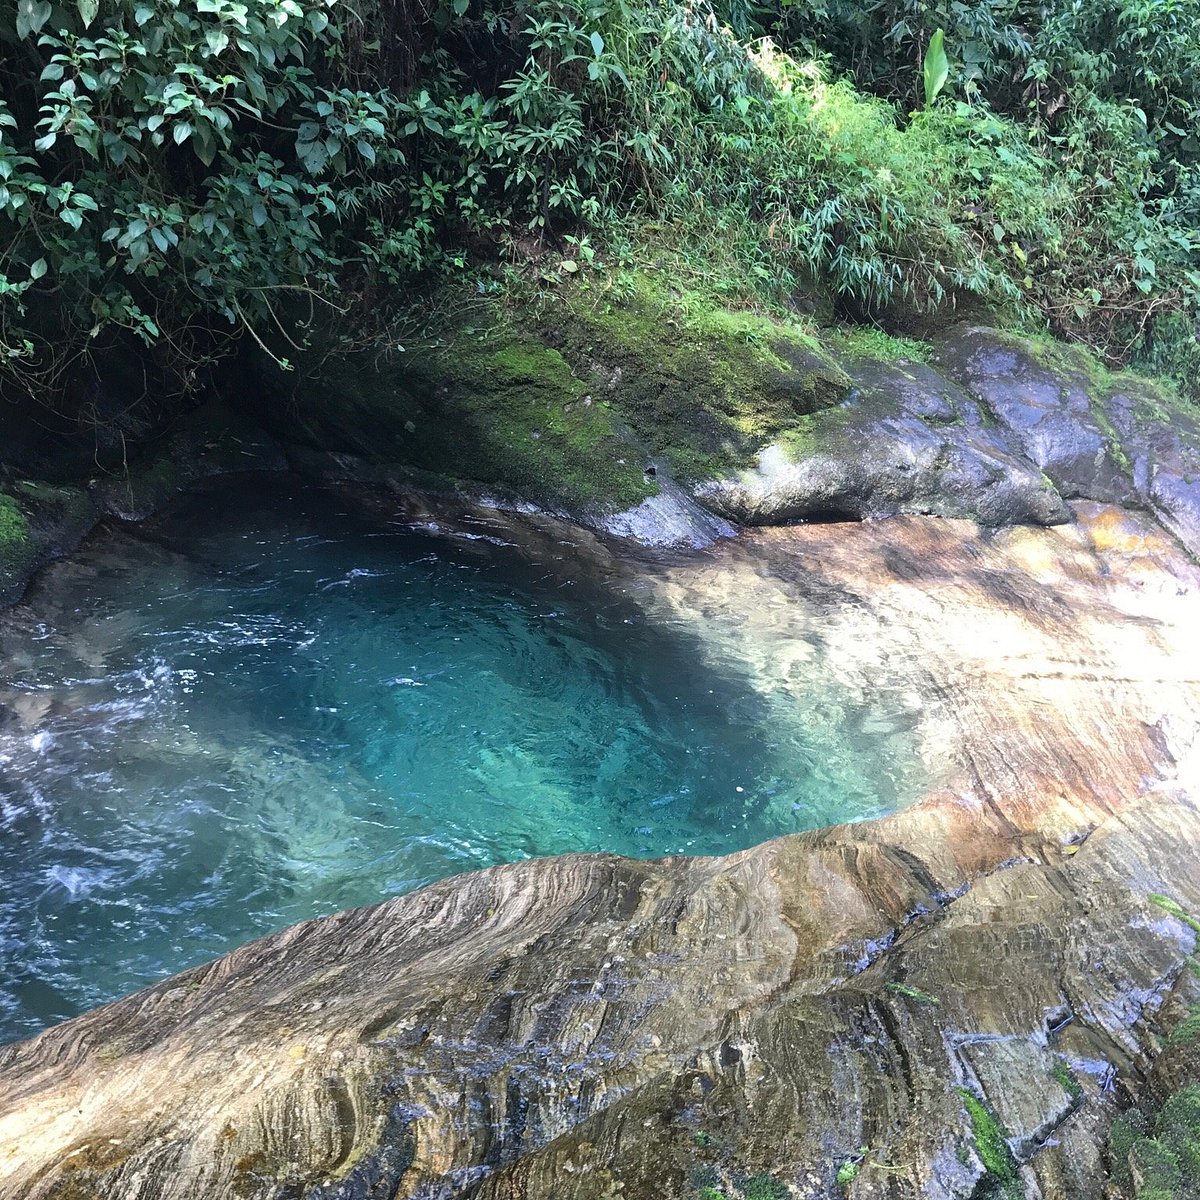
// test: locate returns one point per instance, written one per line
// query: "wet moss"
(764, 1187)
(1187, 1032)
(16, 545)
(83, 1169)
(1169, 905)
(565, 399)
(847, 1173)
(1156, 1155)
(992, 1147)
(701, 386)
(1061, 1073)
(912, 993)
(483, 402)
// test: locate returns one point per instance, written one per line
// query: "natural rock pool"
(272, 702)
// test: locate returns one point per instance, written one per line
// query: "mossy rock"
(38, 521)
(703, 387)
(476, 400)
(17, 546)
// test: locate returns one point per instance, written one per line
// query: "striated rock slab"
(869, 1010)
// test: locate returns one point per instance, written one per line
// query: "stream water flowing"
(271, 702)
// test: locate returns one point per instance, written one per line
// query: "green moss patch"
(700, 385)
(992, 1147)
(16, 541)
(866, 341)
(1159, 1159)
(911, 993)
(480, 401)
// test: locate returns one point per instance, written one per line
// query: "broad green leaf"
(937, 67)
(32, 15)
(597, 44)
(37, 269)
(88, 10)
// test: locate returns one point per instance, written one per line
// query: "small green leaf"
(597, 44)
(37, 269)
(88, 10)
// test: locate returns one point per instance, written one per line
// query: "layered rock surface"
(949, 1002)
(995, 427)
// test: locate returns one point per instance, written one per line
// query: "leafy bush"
(185, 173)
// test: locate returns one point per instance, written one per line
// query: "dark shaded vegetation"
(177, 177)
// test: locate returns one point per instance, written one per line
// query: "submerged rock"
(940, 1003)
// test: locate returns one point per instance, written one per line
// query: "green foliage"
(14, 528)
(847, 1173)
(183, 173)
(867, 342)
(1107, 94)
(936, 67)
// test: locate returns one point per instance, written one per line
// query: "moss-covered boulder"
(473, 400)
(701, 386)
(38, 521)
(590, 406)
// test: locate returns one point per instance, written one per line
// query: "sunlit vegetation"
(189, 174)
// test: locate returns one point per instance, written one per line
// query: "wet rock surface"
(952, 1000)
(996, 427)
(55, 518)
(1050, 411)
(1098, 437)
(906, 440)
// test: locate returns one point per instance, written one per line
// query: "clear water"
(271, 703)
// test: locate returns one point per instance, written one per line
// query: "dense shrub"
(189, 172)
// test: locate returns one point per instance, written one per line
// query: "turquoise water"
(271, 703)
